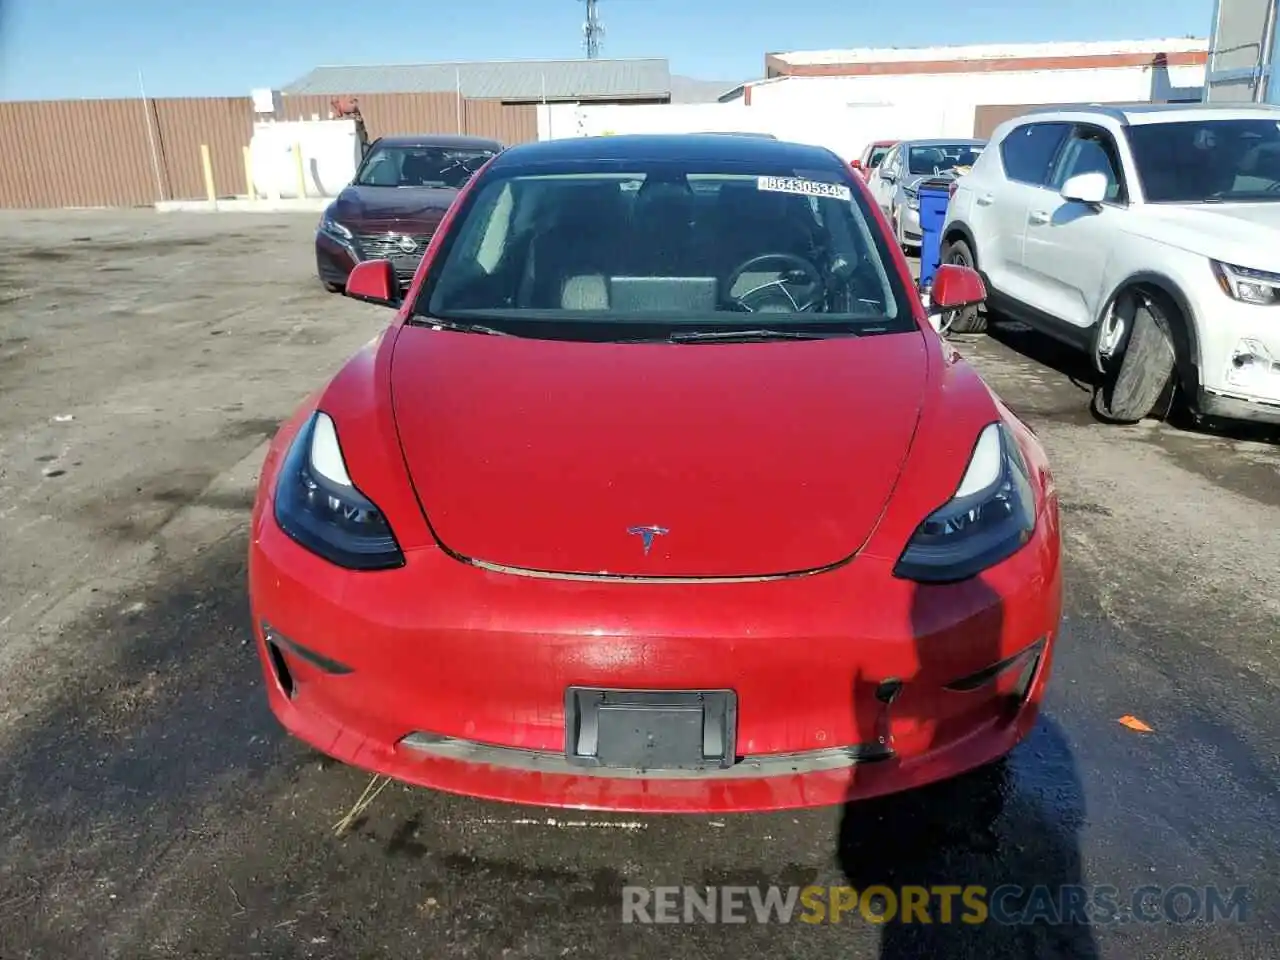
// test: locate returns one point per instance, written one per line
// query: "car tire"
(970, 319)
(1133, 388)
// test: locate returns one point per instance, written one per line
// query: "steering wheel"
(798, 288)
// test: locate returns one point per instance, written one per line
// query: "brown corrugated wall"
(387, 113)
(507, 122)
(119, 153)
(75, 153)
(224, 123)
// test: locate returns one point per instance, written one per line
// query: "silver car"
(895, 182)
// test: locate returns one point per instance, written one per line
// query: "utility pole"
(592, 30)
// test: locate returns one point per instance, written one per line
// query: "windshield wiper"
(458, 326)
(702, 336)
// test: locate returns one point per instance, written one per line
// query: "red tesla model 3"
(659, 493)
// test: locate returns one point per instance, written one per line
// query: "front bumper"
(335, 258)
(1249, 410)
(452, 677)
(912, 232)
(1239, 363)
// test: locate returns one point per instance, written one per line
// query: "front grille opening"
(281, 669)
(388, 245)
(1029, 672)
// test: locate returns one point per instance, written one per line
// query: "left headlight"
(913, 198)
(1248, 285)
(318, 506)
(989, 518)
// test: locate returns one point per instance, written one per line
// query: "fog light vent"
(281, 669)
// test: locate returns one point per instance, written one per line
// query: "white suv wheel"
(1110, 337)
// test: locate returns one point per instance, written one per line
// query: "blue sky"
(95, 48)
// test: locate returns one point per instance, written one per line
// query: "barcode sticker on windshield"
(806, 188)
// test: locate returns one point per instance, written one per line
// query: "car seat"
(661, 238)
(418, 169)
(583, 241)
(926, 160)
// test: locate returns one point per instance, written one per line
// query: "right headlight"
(319, 507)
(989, 518)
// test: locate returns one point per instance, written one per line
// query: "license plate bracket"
(651, 730)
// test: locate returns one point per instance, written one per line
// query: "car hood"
(1244, 234)
(755, 459)
(913, 181)
(361, 205)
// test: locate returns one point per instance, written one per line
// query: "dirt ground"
(152, 807)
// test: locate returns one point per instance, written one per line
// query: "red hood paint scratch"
(758, 459)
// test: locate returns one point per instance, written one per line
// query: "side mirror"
(1090, 188)
(857, 166)
(956, 287)
(887, 177)
(374, 281)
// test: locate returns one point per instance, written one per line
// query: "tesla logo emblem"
(407, 244)
(646, 535)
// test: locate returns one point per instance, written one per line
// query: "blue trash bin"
(934, 197)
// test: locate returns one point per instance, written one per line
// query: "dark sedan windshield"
(664, 246)
(939, 158)
(1207, 160)
(424, 166)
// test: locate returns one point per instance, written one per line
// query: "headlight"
(332, 226)
(1248, 285)
(318, 506)
(913, 200)
(990, 517)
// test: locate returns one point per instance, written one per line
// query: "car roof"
(1136, 114)
(688, 147)
(739, 133)
(439, 140)
(943, 142)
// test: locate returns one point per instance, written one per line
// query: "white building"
(973, 89)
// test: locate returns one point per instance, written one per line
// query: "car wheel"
(1139, 368)
(970, 319)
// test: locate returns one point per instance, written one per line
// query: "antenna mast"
(592, 30)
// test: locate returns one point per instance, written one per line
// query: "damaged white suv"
(1148, 236)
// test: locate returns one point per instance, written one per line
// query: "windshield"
(424, 166)
(877, 154)
(658, 246)
(1208, 160)
(940, 158)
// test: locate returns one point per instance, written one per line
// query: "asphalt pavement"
(153, 808)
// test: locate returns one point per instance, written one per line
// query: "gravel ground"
(152, 808)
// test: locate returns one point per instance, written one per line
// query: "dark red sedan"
(658, 493)
(872, 154)
(394, 203)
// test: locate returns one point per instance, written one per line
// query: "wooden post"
(302, 171)
(207, 161)
(251, 193)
